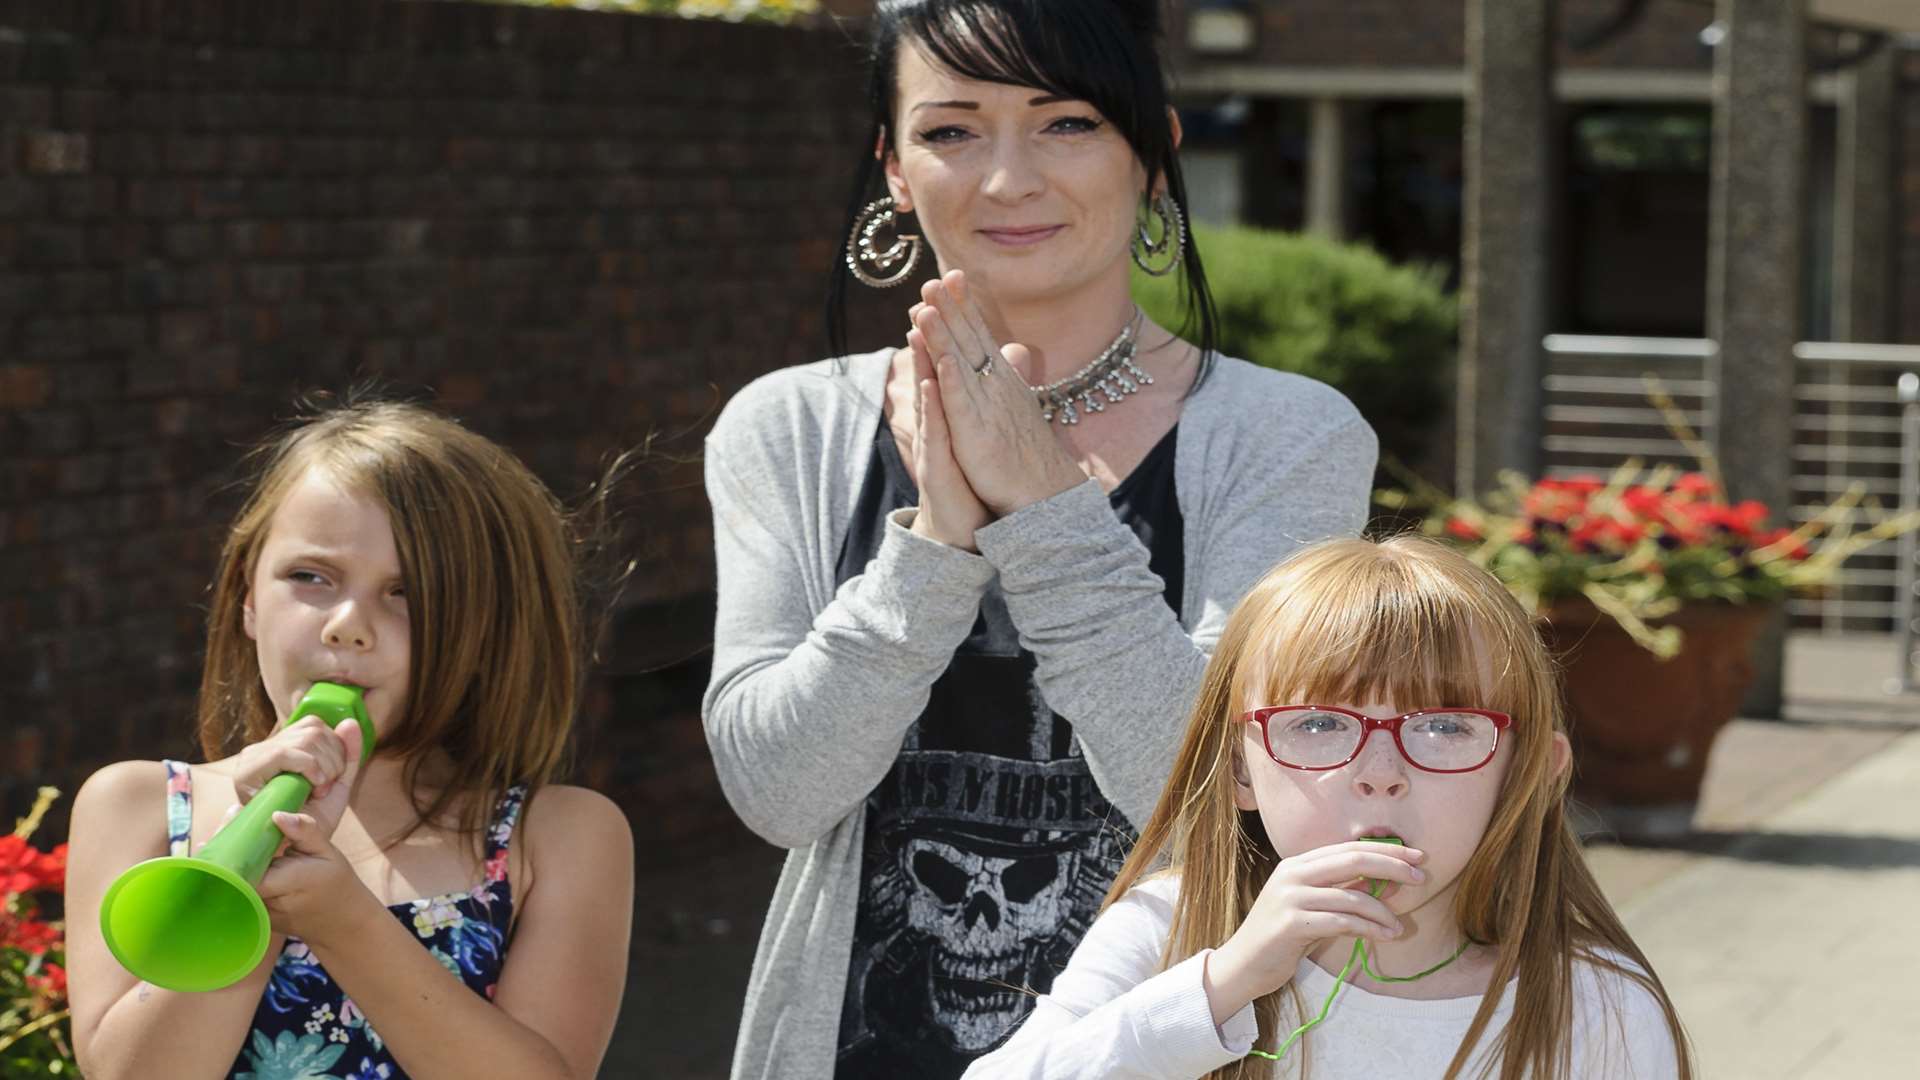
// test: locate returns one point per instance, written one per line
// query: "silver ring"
(986, 365)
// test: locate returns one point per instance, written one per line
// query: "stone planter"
(1642, 727)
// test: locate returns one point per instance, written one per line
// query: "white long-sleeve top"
(1113, 1013)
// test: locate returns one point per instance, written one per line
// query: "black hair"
(1103, 52)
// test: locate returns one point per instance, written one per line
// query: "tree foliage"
(1384, 335)
(779, 11)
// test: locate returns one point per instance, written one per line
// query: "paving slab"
(1790, 948)
(1854, 678)
(1757, 768)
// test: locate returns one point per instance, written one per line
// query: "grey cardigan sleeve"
(1112, 657)
(805, 713)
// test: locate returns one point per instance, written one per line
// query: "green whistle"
(196, 922)
(1379, 885)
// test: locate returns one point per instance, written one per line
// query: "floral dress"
(305, 1027)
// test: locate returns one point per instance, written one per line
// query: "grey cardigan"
(814, 690)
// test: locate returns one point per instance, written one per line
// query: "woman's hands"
(1004, 450)
(949, 510)
(1310, 897)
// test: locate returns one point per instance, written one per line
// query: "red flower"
(1696, 520)
(24, 868)
(1555, 504)
(1608, 533)
(19, 865)
(1643, 502)
(1739, 520)
(1696, 513)
(1750, 515)
(53, 869)
(28, 935)
(1577, 485)
(1464, 529)
(52, 981)
(1694, 485)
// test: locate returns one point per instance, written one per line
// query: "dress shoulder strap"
(505, 816)
(179, 807)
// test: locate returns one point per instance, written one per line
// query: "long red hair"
(1404, 619)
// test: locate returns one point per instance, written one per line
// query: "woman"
(967, 588)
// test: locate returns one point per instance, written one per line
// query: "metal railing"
(1908, 622)
(1597, 410)
(1853, 424)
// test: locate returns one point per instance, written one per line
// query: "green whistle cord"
(1340, 980)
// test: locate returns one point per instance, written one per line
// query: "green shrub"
(1384, 335)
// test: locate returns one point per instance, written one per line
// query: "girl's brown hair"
(1409, 621)
(497, 594)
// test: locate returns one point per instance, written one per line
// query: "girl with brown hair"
(441, 909)
(1375, 770)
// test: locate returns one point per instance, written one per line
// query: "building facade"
(1347, 117)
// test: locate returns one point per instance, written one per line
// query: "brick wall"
(572, 230)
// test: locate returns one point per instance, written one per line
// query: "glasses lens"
(1311, 739)
(1448, 740)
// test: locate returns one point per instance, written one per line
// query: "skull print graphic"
(986, 857)
(987, 847)
(986, 919)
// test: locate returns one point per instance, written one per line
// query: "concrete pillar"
(1505, 259)
(1754, 267)
(1865, 200)
(1865, 203)
(1327, 167)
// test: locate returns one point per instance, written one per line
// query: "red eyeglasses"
(1321, 737)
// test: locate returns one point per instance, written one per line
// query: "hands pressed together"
(981, 449)
(310, 889)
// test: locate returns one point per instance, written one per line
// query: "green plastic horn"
(196, 922)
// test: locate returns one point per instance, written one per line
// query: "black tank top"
(988, 845)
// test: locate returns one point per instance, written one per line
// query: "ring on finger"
(986, 366)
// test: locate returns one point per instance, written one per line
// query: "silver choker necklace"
(1112, 374)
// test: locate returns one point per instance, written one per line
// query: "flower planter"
(1637, 541)
(1642, 727)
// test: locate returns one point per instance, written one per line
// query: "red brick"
(24, 386)
(57, 153)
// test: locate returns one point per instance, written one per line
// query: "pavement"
(1784, 923)
(1788, 940)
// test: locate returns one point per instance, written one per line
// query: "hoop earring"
(1173, 237)
(867, 263)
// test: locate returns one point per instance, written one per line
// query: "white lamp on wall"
(1221, 27)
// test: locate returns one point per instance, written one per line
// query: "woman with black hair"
(968, 586)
